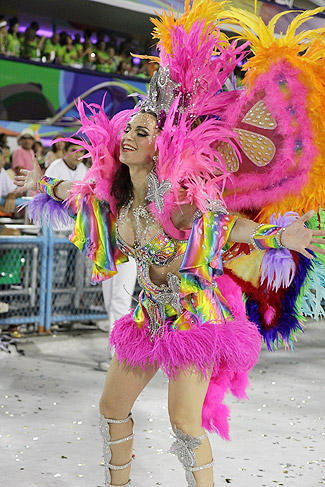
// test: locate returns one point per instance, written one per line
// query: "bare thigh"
(122, 386)
(186, 396)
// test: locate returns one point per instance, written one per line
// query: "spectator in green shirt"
(69, 54)
(51, 47)
(33, 45)
(104, 62)
(13, 41)
(3, 35)
(89, 55)
(78, 48)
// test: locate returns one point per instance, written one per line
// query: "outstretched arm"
(295, 237)
(27, 181)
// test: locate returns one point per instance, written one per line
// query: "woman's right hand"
(27, 180)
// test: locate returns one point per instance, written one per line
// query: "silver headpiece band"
(161, 94)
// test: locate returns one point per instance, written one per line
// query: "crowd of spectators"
(105, 54)
(29, 148)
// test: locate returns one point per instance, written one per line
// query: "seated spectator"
(69, 53)
(78, 48)
(56, 152)
(7, 188)
(88, 55)
(22, 157)
(7, 158)
(61, 47)
(3, 35)
(13, 41)
(38, 149)
(32, 45)
(3, 139)
(69, 167)
(51, 47)
(144, 71)
(112, 55)
(124, 68)
(104, 62)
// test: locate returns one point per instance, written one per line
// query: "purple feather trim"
(44, 210)
(290, 320)
(278, 267)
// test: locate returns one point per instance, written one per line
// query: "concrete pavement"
(49, 409)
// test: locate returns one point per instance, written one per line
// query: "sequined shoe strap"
(203, 467)
(121, 440)
(124, 485)
(119, 467)
(118, 421)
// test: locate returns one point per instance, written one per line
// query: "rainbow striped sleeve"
(202, 261)
(94, 235)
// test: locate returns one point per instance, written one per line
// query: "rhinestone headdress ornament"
(161, 94)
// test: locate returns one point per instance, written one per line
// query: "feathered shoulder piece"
(100, 137)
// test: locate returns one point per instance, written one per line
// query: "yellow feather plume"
(207, 10)
(268, 48)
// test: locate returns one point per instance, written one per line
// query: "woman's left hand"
(299, 238)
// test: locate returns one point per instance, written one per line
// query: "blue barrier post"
(49, 277)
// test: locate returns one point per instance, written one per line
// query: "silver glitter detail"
(252, 237)
(107, 442)
(183, 448)
(143, 221)
(167, 294)
(216, 206)
(157, 191)
(171, 295)
(198, 213)
(162, 92)
(278, 238)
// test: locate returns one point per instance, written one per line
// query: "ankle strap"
(119, 467)
(117, 421)
(124, 485)
(203, 467)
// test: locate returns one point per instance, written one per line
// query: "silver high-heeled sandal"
(183, 447)
(104, 430)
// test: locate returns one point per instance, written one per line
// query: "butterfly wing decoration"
(157, 191)
(279, 121)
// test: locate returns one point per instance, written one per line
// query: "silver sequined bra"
(161, 250)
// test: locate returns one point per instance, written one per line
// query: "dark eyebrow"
(138, 127)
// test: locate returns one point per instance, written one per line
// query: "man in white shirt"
(70, 167)
(7, 187)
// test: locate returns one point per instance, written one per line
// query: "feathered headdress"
(195, 62)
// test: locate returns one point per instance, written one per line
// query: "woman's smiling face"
(139, 139)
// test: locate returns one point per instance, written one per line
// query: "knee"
(109, 408)
(189, 424)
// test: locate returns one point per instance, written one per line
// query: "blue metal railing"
(42, 286)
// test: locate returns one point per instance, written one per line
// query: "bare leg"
(185, 402)
(122, 387)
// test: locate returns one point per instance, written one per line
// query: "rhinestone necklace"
(143, 221)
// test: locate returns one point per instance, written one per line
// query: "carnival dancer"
(154, 193)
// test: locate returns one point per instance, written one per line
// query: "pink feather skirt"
(217, 340)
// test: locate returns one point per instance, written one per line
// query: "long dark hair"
(122, 187)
